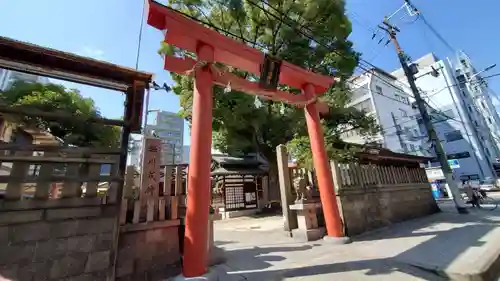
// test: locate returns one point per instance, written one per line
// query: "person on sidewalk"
(472, 193)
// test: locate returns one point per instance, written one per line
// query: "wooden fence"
(166, 204)
(351, 175)
(45, 172)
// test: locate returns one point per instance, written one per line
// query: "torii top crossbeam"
(187, 34)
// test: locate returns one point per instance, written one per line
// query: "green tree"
(242, 123)
(56, 98)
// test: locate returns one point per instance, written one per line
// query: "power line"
(294, 27)
(428, 24)
(306, 35)
(436, 33)
(458, 84)
(140, 36)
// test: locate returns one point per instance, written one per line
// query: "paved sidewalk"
(460, 247)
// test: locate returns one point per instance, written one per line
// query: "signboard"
(150, 177)
(434, 174)
(454, 163)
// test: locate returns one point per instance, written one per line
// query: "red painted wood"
(322, 168)
(186, 34)
(199, 183)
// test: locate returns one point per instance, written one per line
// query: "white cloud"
(90, 52)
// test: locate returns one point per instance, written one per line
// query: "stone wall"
(148, 251)
(368, 208)
(45, 242)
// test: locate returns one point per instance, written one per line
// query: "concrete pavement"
(438, 247)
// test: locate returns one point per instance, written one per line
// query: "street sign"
(454, 163)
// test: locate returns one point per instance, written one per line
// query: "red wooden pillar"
(198, 185)
(322, 167)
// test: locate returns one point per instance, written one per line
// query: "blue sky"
(108, 30)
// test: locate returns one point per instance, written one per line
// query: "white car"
(488, 185)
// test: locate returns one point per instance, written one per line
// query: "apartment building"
(379, 94)
(463, 128)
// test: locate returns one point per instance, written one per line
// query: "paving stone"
(72, 213)
(34, 271)
(58, 247)
(98, 261)
(104, 242)
(4, 235)
(10, 254)
(70, 265)
(30, 232)
(98, 276)
(63, 229)
(95, 226)
(20, 216)
(9, 271)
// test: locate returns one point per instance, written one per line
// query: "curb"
(488, 272)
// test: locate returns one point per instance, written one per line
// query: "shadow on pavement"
(449, 237)
(222, 243)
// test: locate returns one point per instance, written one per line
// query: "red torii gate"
(209, 47)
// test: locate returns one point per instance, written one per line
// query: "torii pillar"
(322, 167)
(198, 184)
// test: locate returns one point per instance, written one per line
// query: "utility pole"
(436, 144)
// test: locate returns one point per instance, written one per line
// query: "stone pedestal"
(216, 255)
(307, 221)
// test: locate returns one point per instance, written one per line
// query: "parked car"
(488, 184)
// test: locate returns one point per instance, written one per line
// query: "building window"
(412, 147)
(489, 120)
(487, 151)
(403, 113)
(364, 106)
(459, 155)
(404, 146)
(378, 90)
(470, 108)
(416, 133)
(359, 92)
(453, 136)
(402, 99)
(483, 104)
(475, 123)
(420, 148)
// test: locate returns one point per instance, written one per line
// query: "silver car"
(488, 184)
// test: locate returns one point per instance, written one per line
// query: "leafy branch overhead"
(56, 98)
(243, 123)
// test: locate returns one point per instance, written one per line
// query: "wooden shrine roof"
(30, 58)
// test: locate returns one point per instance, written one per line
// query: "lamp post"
(484, 70)
(155, 87)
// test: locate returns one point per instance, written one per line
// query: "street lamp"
(155, 87)
(484, 70)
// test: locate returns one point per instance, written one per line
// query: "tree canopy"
(243, 123)
(56, 98)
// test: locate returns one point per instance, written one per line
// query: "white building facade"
(378, 94)
(8, 77)
(169, 127)
(459, 123)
